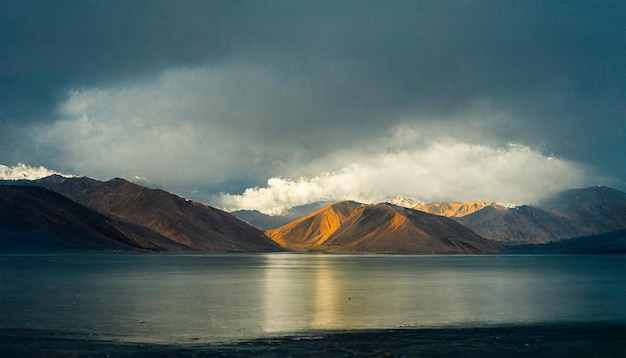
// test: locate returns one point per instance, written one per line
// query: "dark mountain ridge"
(28, 213)
(570, 214)
(159, 220)
(590, 210)
(613, 242)
(522, 224)
(187, 222)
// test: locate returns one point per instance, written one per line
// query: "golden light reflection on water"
(301, 296)
(324, 292)
(284, 297)
(312, 292)
(326, 302)
(219, 298)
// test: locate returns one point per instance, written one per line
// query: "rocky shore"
(555, 340)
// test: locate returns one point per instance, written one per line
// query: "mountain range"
(449, 209)
(84, 213)
(187, 225)
(572, 213)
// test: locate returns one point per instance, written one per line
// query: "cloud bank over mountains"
(514, 174)
(364, 100)
(439, 172)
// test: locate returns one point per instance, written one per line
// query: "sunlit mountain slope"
(382, 228)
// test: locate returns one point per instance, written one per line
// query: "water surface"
(209, 298)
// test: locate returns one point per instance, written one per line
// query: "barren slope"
(314, 229)
(189, 223)
(48, 219)
(570, 214)
(383, 228)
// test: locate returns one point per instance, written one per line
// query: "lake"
(171, 298)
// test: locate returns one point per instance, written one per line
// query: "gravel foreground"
(577, 340)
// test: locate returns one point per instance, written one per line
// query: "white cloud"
(23, 171)
(198, 126)
(442, 170)
(184, 126)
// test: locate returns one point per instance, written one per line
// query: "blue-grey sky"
(278, 103)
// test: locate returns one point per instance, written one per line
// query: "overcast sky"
(269, 104)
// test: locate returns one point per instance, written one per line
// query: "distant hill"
(267, 222)
(260, 220)
(591, 210)
(189, 223)
(384, 228)
(34, 218)
(570, 214)
(608, 243)
(522, 224)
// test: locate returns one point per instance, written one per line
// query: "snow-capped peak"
(23, 171)
(404, 201)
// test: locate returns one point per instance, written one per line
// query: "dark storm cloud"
(313, 78)
(433, 54)
(48, 46)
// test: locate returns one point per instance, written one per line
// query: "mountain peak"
(380, 228)
(315, 228)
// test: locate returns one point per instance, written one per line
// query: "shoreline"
(539, 340)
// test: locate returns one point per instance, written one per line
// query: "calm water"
(183, 298)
